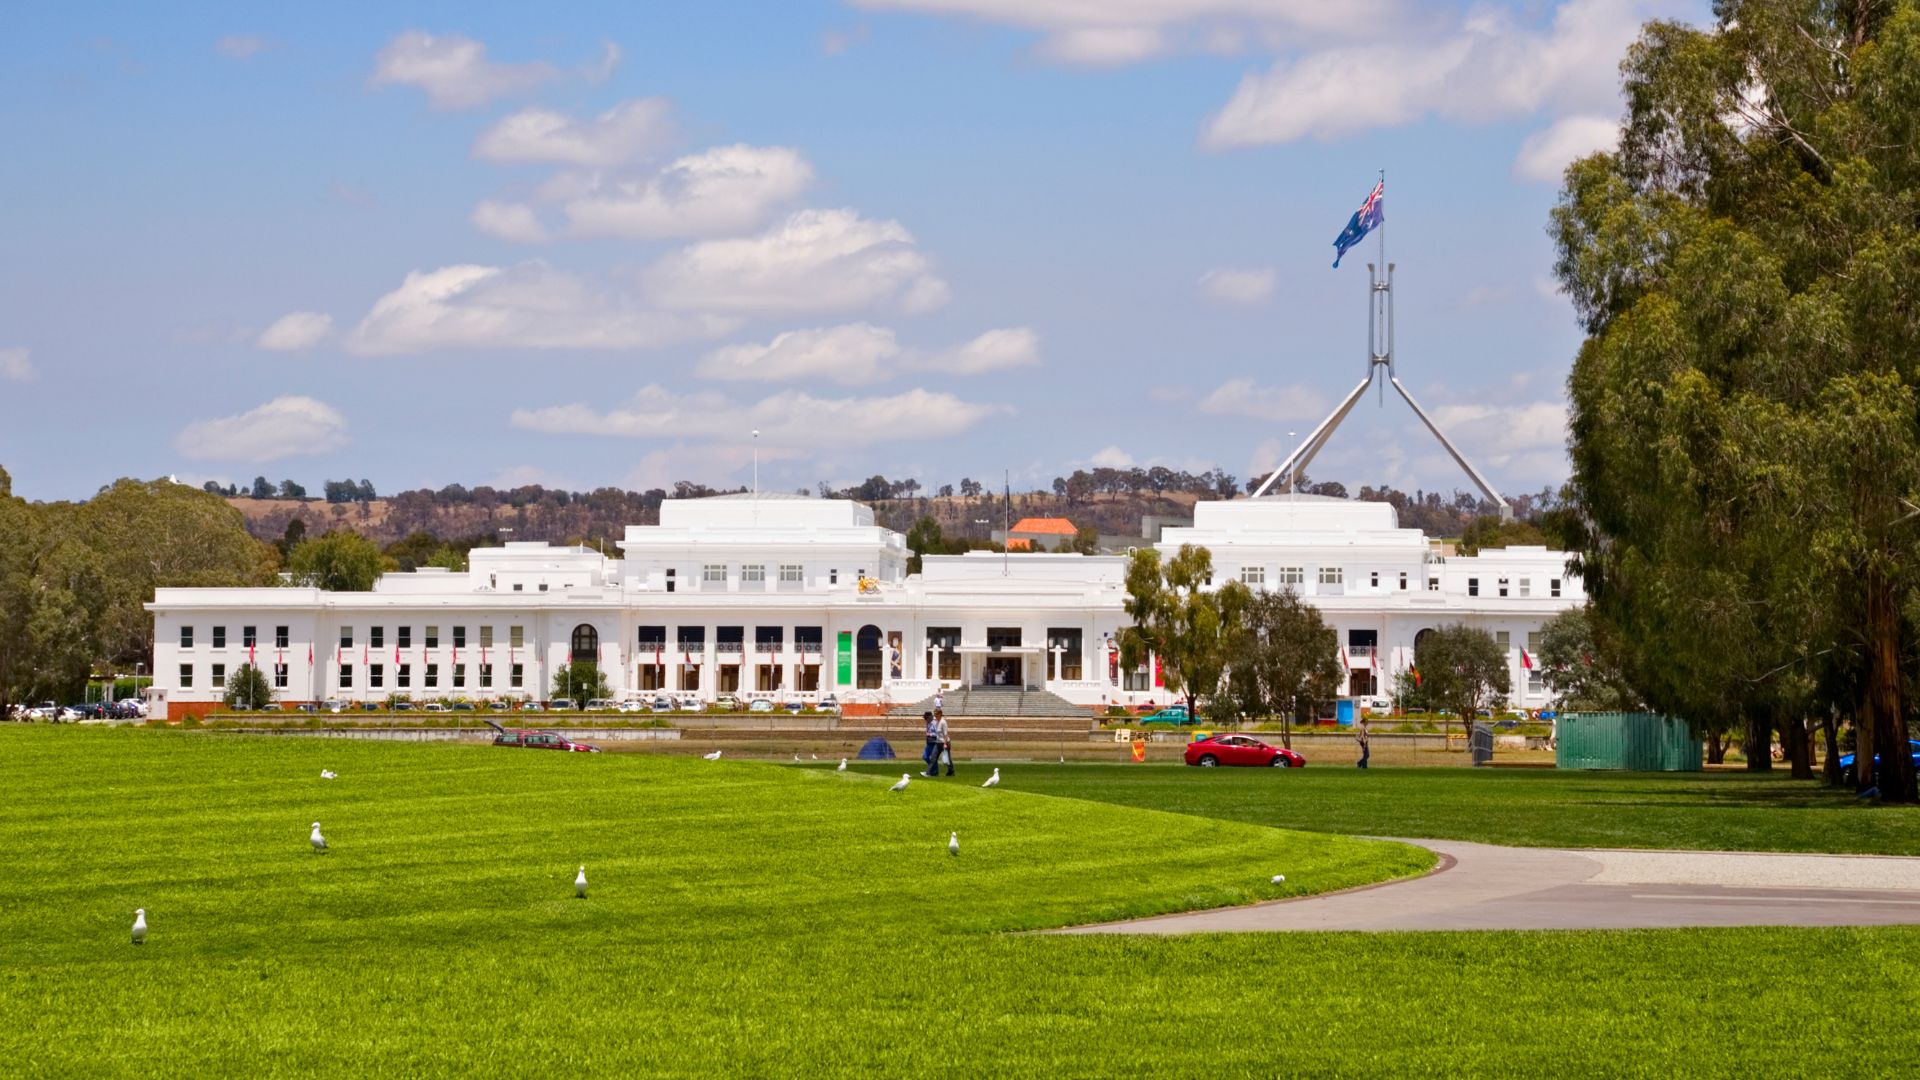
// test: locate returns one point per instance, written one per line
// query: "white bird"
(327, 774)
(843, 766)
(715, 756)
(796, 757)
(1278, 878)
(953, 844)
(140, 926)
(992, 780)
(816, 757)
(580, 883)
(902, 785)
(319, 842)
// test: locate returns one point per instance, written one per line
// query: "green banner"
(846, 658)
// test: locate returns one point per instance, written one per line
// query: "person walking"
(946, 742)
(1360, 736)
(931, 755)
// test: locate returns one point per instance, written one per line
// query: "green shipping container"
(1636, 742)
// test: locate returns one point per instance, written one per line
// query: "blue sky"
(601, 243)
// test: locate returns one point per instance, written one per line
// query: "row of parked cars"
(90, 711)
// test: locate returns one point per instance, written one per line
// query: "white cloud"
(453, 70)
(509, 221)
(1546, 154)
(1103, 46)
(853, 354)
(789, 419)
(1244, 397)
(1489, 66)
(728, 189)
(1503, 434)
(529, 306)
(240, 46)
(718, 464)
(1244, 287)
(995, 350)
(1112, 458)
(814, 261)
(630, 130)
(1123, 31)
(610, 57)
(15, 365)
(284, 427)
(296, 331)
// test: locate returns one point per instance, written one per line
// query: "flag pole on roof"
(1371, 218)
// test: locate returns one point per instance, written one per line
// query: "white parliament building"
(795, 598)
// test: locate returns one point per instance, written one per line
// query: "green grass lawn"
(1526, 807)
(752, 919)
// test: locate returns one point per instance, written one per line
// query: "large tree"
(1286, 661)
(1577, 661)
(337, 562)
(1745, 428)
(1463, 669)
(1178, 617)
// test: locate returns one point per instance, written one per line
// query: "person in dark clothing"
(931, 755)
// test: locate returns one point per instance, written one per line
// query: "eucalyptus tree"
(1285, 662)
(1463, 669)
(1745, 422)
(1179, 618)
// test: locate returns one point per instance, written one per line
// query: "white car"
(334, 705)
(601, 704)
(760, 705)
(828, 703)
(688, 703)
(433, 706)
(633, 705)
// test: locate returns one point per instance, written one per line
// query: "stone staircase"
(998, 702)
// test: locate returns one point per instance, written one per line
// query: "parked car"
(1241, 750)
(560, 704)
(688, 703)
(532, 706)
(760, 705)
(728, 700)
(601, 705)
(1172, 714)
(527, 739)
(90, 710)
(1846, 760)
(828, 703)
(403, 706)
(334, 705)
(1379, 704)
(794, 706)
(434, 706)
(633, 705)
(662, 704)
(462, 706)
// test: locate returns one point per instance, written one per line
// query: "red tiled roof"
(1019, 543)
(1054, 526)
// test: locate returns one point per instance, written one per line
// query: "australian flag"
(1364, 220)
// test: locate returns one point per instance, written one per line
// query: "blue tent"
(877, 749)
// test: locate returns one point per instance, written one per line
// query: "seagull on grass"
(843, 766)
(796, 757)
(715, 756)
(902, 785)
(1279, 879)
(327, 774)
(994, 780)
(319, 842)
(139, 926)
(953, 844)
(580, 883)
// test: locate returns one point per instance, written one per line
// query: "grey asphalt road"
(1484, 887)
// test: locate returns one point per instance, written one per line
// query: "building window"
(1473, 586)
(1253, 575)
(433, 676)
(518, 587)
(186, 637)
(517, 636)
(753, 572)
(586, 643)
(1332, 575)
(377, 637)
(671, 581)
(1139, 679)
(486, 636)
(376, 676)
(403, 638)
(1433, 584)
(346, 676)
(514, 677)
(1503, 586)
(543, 586)
(791, 573)
(279, 676)
(1403, 581)
(1373, 580)
(1292, 575)
(714, 572)
(346, 637)
(1526, 586)
(219, 676)
(486, 676)
(219, 637)
(186, 676)
(1553, 587)
(459, 637)
(459, 676)
(247, 637)
(279, 637)
(833, 577)
(1503, 639)
(433, 637)
(403, 676)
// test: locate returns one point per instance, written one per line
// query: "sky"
(601, 244)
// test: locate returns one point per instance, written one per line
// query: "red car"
(538, 740)
(1241, 750)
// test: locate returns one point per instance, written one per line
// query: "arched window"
(586, 643)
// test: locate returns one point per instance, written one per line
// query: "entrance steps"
(998, 702)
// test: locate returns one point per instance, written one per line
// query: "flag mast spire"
(1372, 217)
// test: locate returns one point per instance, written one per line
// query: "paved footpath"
(1484, 887)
